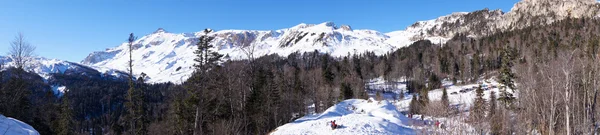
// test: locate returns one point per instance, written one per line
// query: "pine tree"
(65, 122)
(206, 59)
(494, 120)
(492, 107)
(135, 98)
(506, 77)
(401, 95)
(347, 91)
(445, 101)
(478, 108)
(476, 65)
(414, 106)
(423, 98)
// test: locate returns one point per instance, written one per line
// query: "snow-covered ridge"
(11, 126)
(46, 67)
(168, 57)
(355, 117)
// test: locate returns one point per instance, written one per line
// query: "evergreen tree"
(347, 91)
(478, 108)
(414, 106)
(327, 69)
(423, 98)
(506, 76)
(495, 121)
(492, 107)
(206, 57)
(476, 65)
(198, 85)
(401, 95)
(65, 122)
(445, 101)
(135, 98)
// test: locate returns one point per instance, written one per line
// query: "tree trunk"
(197, 123)
(567, 100)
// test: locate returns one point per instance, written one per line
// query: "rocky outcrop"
(524, 13)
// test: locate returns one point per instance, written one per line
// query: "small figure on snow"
(333, 125)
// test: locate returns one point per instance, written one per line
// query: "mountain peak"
(346, 27)
(159, 30)
(328, 24)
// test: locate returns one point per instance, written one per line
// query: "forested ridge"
(554, 69)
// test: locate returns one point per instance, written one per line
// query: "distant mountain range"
(168, 57)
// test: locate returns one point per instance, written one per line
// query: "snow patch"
(355, 117)
(59, 90)
(11, 126)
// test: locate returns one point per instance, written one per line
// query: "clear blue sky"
(71, 29)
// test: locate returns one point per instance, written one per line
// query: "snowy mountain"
(165, 56)
(355, 117)
(10, 126)
(46, 67)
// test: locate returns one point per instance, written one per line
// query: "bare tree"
(21, 51)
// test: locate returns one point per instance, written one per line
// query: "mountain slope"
(46, 67)
(356, 117)
(168, 57)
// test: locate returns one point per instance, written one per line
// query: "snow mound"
(10, 126)
(355, 117)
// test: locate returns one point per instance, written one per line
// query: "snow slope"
(356, 117)
(464, 100)
(168, 57)
(10, 126)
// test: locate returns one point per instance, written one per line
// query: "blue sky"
(71, 29)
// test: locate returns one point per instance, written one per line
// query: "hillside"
(356, 117)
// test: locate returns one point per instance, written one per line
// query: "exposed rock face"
(160, 30)
(524, 13)
(346, 27)
(531, 12)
